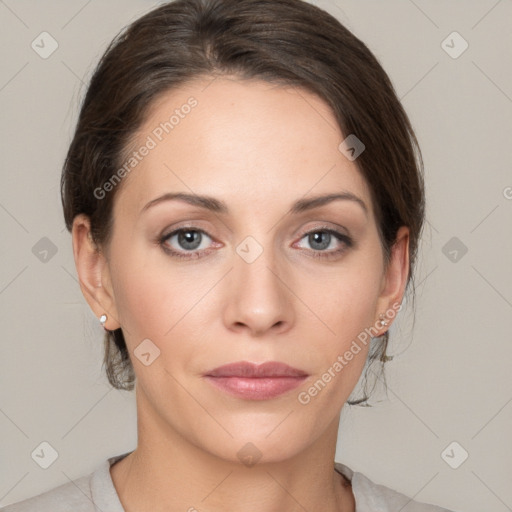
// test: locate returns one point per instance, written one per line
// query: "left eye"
(321, 240)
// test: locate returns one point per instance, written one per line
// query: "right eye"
(185, 242)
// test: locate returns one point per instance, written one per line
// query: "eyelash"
(189, 255)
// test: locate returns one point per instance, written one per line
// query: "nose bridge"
(258, 298)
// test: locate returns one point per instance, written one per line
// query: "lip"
(256, 381)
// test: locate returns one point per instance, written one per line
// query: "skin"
(258, 148)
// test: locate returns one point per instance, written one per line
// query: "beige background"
(450, 378)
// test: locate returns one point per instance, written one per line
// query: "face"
(256, 272)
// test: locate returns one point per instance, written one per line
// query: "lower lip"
(256, 388)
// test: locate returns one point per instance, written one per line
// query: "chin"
(259, 444)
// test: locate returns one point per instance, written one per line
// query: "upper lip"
(252, 370)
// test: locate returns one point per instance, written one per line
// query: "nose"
(259, 300)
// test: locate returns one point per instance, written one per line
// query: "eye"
(192, 243)
(322, 239)
(186, 242)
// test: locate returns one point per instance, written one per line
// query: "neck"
(167, 472)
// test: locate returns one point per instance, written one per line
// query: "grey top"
(96, 493)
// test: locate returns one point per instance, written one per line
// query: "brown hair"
(288, 42)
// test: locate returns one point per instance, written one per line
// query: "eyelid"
(327, 226)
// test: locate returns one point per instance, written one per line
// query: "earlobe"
(395, 278)
(92, 273)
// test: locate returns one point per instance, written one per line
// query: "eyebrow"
(217, 206)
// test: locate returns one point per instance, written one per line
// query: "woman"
(245, 197)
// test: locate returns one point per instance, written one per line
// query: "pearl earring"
(383, 321)
(103, 319)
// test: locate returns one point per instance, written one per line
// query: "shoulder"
(86, 494)
(73, 495)
(370, 496)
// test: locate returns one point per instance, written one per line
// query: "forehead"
(246, 142)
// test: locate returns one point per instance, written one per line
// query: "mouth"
(256, 382)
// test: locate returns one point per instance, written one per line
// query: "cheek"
(346, 303)
(156, 300)
(347, 310)
(145, 291)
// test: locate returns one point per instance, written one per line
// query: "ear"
(93, 273)
(395, 277)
